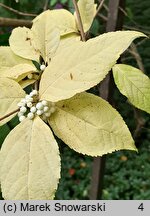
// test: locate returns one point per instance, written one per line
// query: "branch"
(9, 114)
(46, 5)
(14, 22)
(133, 50)
(16, 11)
(99, 7)
(104, 18)
(79, 21)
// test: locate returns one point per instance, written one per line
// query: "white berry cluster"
(30, 107)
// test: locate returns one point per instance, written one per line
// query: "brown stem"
(14, 22)
(16, 11)
(99, 7)
(79, 20)
(46, 5)
(133, 50)
(9, 114)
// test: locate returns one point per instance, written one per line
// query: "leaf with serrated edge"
(22, 43)
(46, 35)
(18, 72)
(83, 65)
(90, 125)
(10, 94)
(134, 84)
(30, 162)
(87, 11)
(62, 19)
(8, 59)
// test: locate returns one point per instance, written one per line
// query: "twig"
(79, 21)
(133, 50)
(106, 7)
(14, 22)
(104, 18)
(16, 11)
(9, 114)
(140, 121)
(99, 7)
(46, 5)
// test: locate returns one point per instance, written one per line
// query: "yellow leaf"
(83, 65)
(9, 59)
(87, 11)
(10, 94)
(90, 125)
(134, 84)
(62, 19)
(30, 163)
(18, 72)
(68, 40)
(25, 83)
(22, 43)
(46, 35)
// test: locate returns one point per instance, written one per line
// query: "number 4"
(141, 207)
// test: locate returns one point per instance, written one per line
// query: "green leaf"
(90, 125)
(4, 130)
(83, 65)
(30, 163)
(134, 84)
(10, 94)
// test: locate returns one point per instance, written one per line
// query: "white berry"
(21, 118)
(33, 109)
(52, 109)
(20, 114)
(34, 92)
(23, 101)
(39, 112)
(30, 76)
(20, 104)
(30, 99)
(27, 97)
(44, 102)
(42, 67)
(47, 114)
(23, 109)
(46, 108)
(39, 106)
(29, 104)
(30, 115)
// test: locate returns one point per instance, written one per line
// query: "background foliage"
(127, 173)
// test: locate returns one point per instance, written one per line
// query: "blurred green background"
(127, 174)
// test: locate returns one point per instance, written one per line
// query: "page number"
(141, 207)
